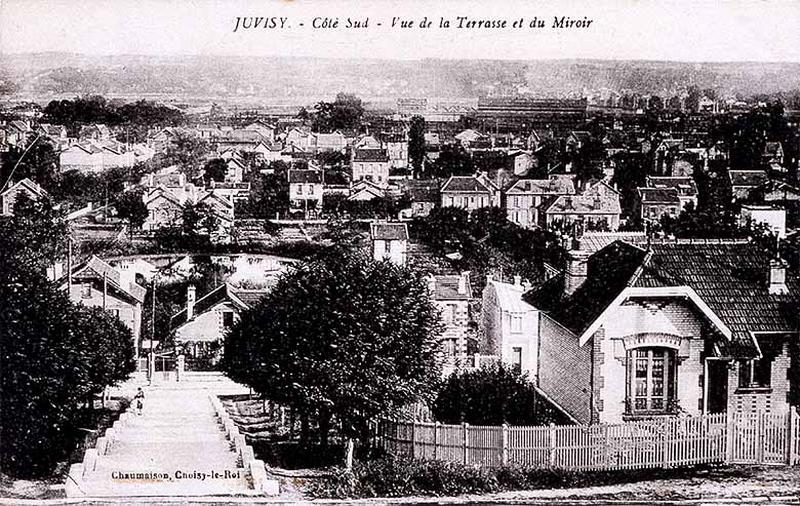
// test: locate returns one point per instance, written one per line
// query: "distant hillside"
(304, 80)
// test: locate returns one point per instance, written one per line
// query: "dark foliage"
(343, 113)
(493, 396)
(416, 143)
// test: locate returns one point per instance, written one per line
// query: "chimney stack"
(191, 296)
(517, 280)
(777, 277)
(577, 268)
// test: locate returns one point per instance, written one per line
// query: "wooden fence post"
(790, 436)
(729, 437)
(413, 439)
(465, 427)
(436, 441)
(504, 445)
(664, 440)
(552, 445)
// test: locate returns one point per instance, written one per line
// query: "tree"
(40, 164)
(214, 170)
(416, 143)
(186, 151)
(493, 396)
(453, 160)
(343, 113)
(339, 336)
(131, 207)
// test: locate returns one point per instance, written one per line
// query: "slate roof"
(95, 269)
(389, 231)
(557, 186)
(224, 292)
(584, 204)
(659, 195)
(472, 184)
(305, 176)
(370, 155)
(446, 288)
(731, 277)
(609, 271)
(509, 297)
(595, 241)
(778, 190)
(686, 186)
(747, 177)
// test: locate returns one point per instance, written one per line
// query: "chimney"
(463, 280)
(518, 280)
(191, 295)
(577, 268)
(777, 277)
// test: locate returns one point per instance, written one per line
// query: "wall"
(206, 326)
(774, 400)
(565, 369)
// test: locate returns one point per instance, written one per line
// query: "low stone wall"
(262, 482)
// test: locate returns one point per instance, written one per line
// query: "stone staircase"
(181, 445)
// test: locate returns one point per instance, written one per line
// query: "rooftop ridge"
(676, 240)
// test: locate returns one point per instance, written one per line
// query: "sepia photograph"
(399, 252)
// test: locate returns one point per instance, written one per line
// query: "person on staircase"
(138, 399)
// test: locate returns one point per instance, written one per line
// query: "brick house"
(24, 186)
(452, 295)
(370, 165)
(523, 199)
(97, 284)
(389, 242)
(470, 192)
(680, 327)
(511, 325)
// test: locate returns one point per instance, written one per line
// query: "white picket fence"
(763, 438)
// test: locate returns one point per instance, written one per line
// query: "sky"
(678, 30)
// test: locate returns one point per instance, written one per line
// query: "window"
(299, 189)
(227, 319)
(86, 291)
(516, 359)
(449, 346)
(516, 323)
(755, 373)
(310, 189)
(651, 380)
(115, 312)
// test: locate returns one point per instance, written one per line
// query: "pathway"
(177, 447)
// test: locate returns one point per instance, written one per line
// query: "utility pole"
(150, 358)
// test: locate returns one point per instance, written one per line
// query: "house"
(685, 186)
(596, 212)
(96, 284)
(470, 192)
(270, 152)
(222, 209)
(164, 209)
(745, 181)
(265, 130)
(96, 156)
(335, 141)
(774, 191)
(134, 270)
(452, 295)
(365, 190)
(306, 188)
(511, 325)
(367, 142)
(300, 138)
(200, 327)
(56, 133)
(16, 133)
(397, 149)
(469, 137)
(389, 242)
(576, 140)
(95, 132)
(231, 191)
(653, 203)
(679, 327)
(520, 162)
(235, 169)
(25, 187)
(773, 154)
(371, 165)
(523, 198)
(424, 195)
(774, 218)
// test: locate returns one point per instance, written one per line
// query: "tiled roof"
(305, 176)
(96, 269)
(370, 155)
(465, 184)
(595, 241)
(659, 195)
(389, 231)
(34, 188)
(747, 177)
(732, 278)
